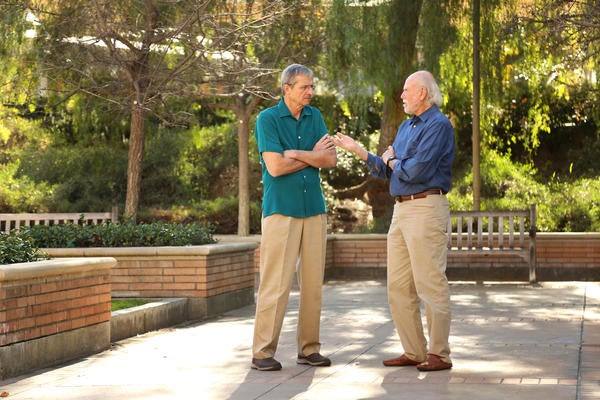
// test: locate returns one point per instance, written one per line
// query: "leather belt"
(421, 195)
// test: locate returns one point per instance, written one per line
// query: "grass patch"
(122, 304)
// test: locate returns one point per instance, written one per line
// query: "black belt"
(421, 195)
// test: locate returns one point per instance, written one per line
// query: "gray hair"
(426, 80)
(289, 74)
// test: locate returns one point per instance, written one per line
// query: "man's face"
(413, 97)
(301, 91)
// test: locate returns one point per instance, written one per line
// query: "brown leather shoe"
(434, 363)
(402, 361)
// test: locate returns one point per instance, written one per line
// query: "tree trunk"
(135, 162)
(243, 110)
(378, 191)
(401, 43)
(244, 174)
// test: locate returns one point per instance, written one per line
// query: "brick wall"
(560, 256)
(54, 298)
(53, 311)
(164, 272)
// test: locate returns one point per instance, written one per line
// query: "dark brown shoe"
(315, 359)
(402, 361)
(266, 364)
(434, 363)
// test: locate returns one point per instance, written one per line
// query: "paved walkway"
(508, 340)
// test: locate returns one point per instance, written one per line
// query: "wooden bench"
(495, 232)
(9, 222)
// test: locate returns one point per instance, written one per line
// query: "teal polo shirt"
(297, 194)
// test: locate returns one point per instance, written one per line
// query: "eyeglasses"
(303, 88)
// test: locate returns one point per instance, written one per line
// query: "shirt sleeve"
(378, 167)
(267, 136)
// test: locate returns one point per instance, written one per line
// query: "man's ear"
(423, 94)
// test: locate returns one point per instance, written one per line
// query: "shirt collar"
(425, 115)
(284, 111)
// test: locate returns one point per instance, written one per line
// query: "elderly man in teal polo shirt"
(294, 144)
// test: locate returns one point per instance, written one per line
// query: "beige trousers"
(288, 244)
(416, 272)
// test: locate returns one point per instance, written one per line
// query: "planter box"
(58, 310)
(215, 278)
(53, 311)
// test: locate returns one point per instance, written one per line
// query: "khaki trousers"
(288, 244)
(416, 272)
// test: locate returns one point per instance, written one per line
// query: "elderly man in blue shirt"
(419, 167)
(294, 144)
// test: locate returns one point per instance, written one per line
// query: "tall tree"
(16, 72)
(136, 55)
(375, 45)
(139, 55)
(260, 39)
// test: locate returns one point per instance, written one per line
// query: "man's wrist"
(387, 162)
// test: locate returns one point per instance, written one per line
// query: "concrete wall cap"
(56, 266)
(202, 250)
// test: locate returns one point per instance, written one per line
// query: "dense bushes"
(119, 235)
(23, 245)
(562, 206)
(191, 176)
(16, 249)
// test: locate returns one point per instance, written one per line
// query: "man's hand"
(389, 152)
(347, 143)
(322, 155)
(325, 143)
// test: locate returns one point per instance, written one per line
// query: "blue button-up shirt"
(299, 193)
(424, 148)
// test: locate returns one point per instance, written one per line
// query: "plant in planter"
(24, 245)
(125, 234)
(15, 248)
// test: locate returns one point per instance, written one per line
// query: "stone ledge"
(164, 313)
(152, 316)
(185, 251)
(53, 267)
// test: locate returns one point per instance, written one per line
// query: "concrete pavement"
(508, 341)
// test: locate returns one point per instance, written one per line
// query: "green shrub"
(562, 206)
(21, 193)
(17, 249)
(224, 210)
(119, 235)
(82, 178)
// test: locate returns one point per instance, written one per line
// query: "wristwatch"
(390, 159)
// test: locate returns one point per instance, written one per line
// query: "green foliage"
(87, 121)
(223, 212)
(19, 193)
(124, 234)
(169, 174)
(82, 178)
(209, 152)
(18, 249)
(562, 206)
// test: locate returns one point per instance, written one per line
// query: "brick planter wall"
(53, 311)
(57, 310)
(215, 278)
(560, 257)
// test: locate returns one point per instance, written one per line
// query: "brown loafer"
(434, 363)
(402, 361)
